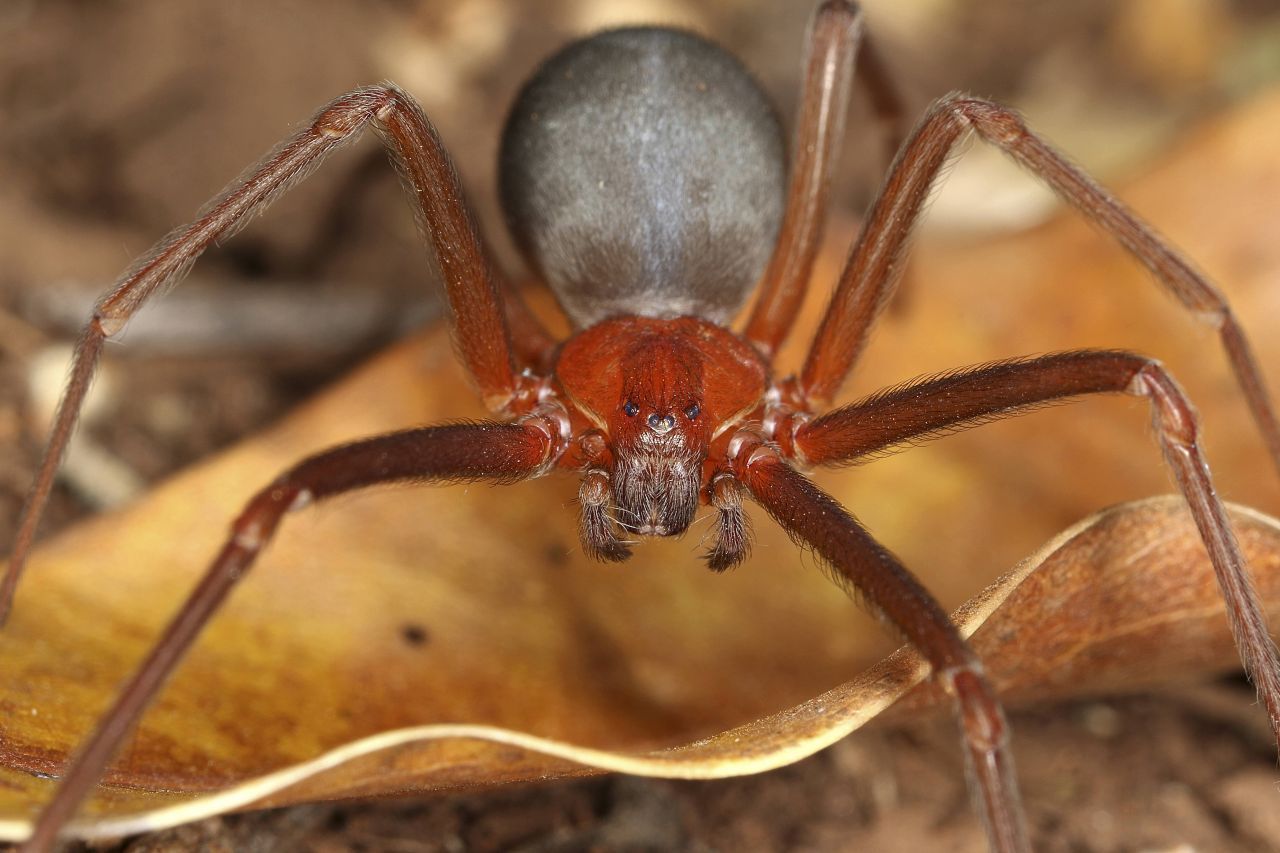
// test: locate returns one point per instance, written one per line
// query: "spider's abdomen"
(642, 172)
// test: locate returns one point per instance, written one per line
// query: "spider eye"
(692, 411)
(630, 409)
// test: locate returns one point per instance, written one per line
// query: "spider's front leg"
(493, 452)
(431, 183)
(942, 405)
(864, 565)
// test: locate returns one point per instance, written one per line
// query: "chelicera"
(644, 178)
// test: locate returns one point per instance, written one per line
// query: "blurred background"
(120, 119)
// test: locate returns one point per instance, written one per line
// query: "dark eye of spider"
(630, 409)
(692, 411)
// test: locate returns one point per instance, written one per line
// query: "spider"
(644, 178)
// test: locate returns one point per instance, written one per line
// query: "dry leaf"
(472, 606)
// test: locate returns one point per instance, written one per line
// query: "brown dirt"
(122, 119)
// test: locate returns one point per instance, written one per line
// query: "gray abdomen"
(642, 172)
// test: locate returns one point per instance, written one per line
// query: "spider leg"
(817, 520)
(955, 401)
(868, 279)
(496, 452)
(431, 183)
(597, 529)
(531, 344)
(732, 544)
(837, 49)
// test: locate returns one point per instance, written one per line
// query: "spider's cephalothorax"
(659, 398)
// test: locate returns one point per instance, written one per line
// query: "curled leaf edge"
(885, 682)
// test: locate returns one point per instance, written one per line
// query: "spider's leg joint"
(1175, 417)
(551, 419)
(781, 424)
(385, 111)
(302, 500)
(743, 441)
(1215, 318)
(109, 326)
(747, 448)
(981, 715)
(249, 537)
(332, 131)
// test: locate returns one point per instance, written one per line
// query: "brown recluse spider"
(643, 176)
